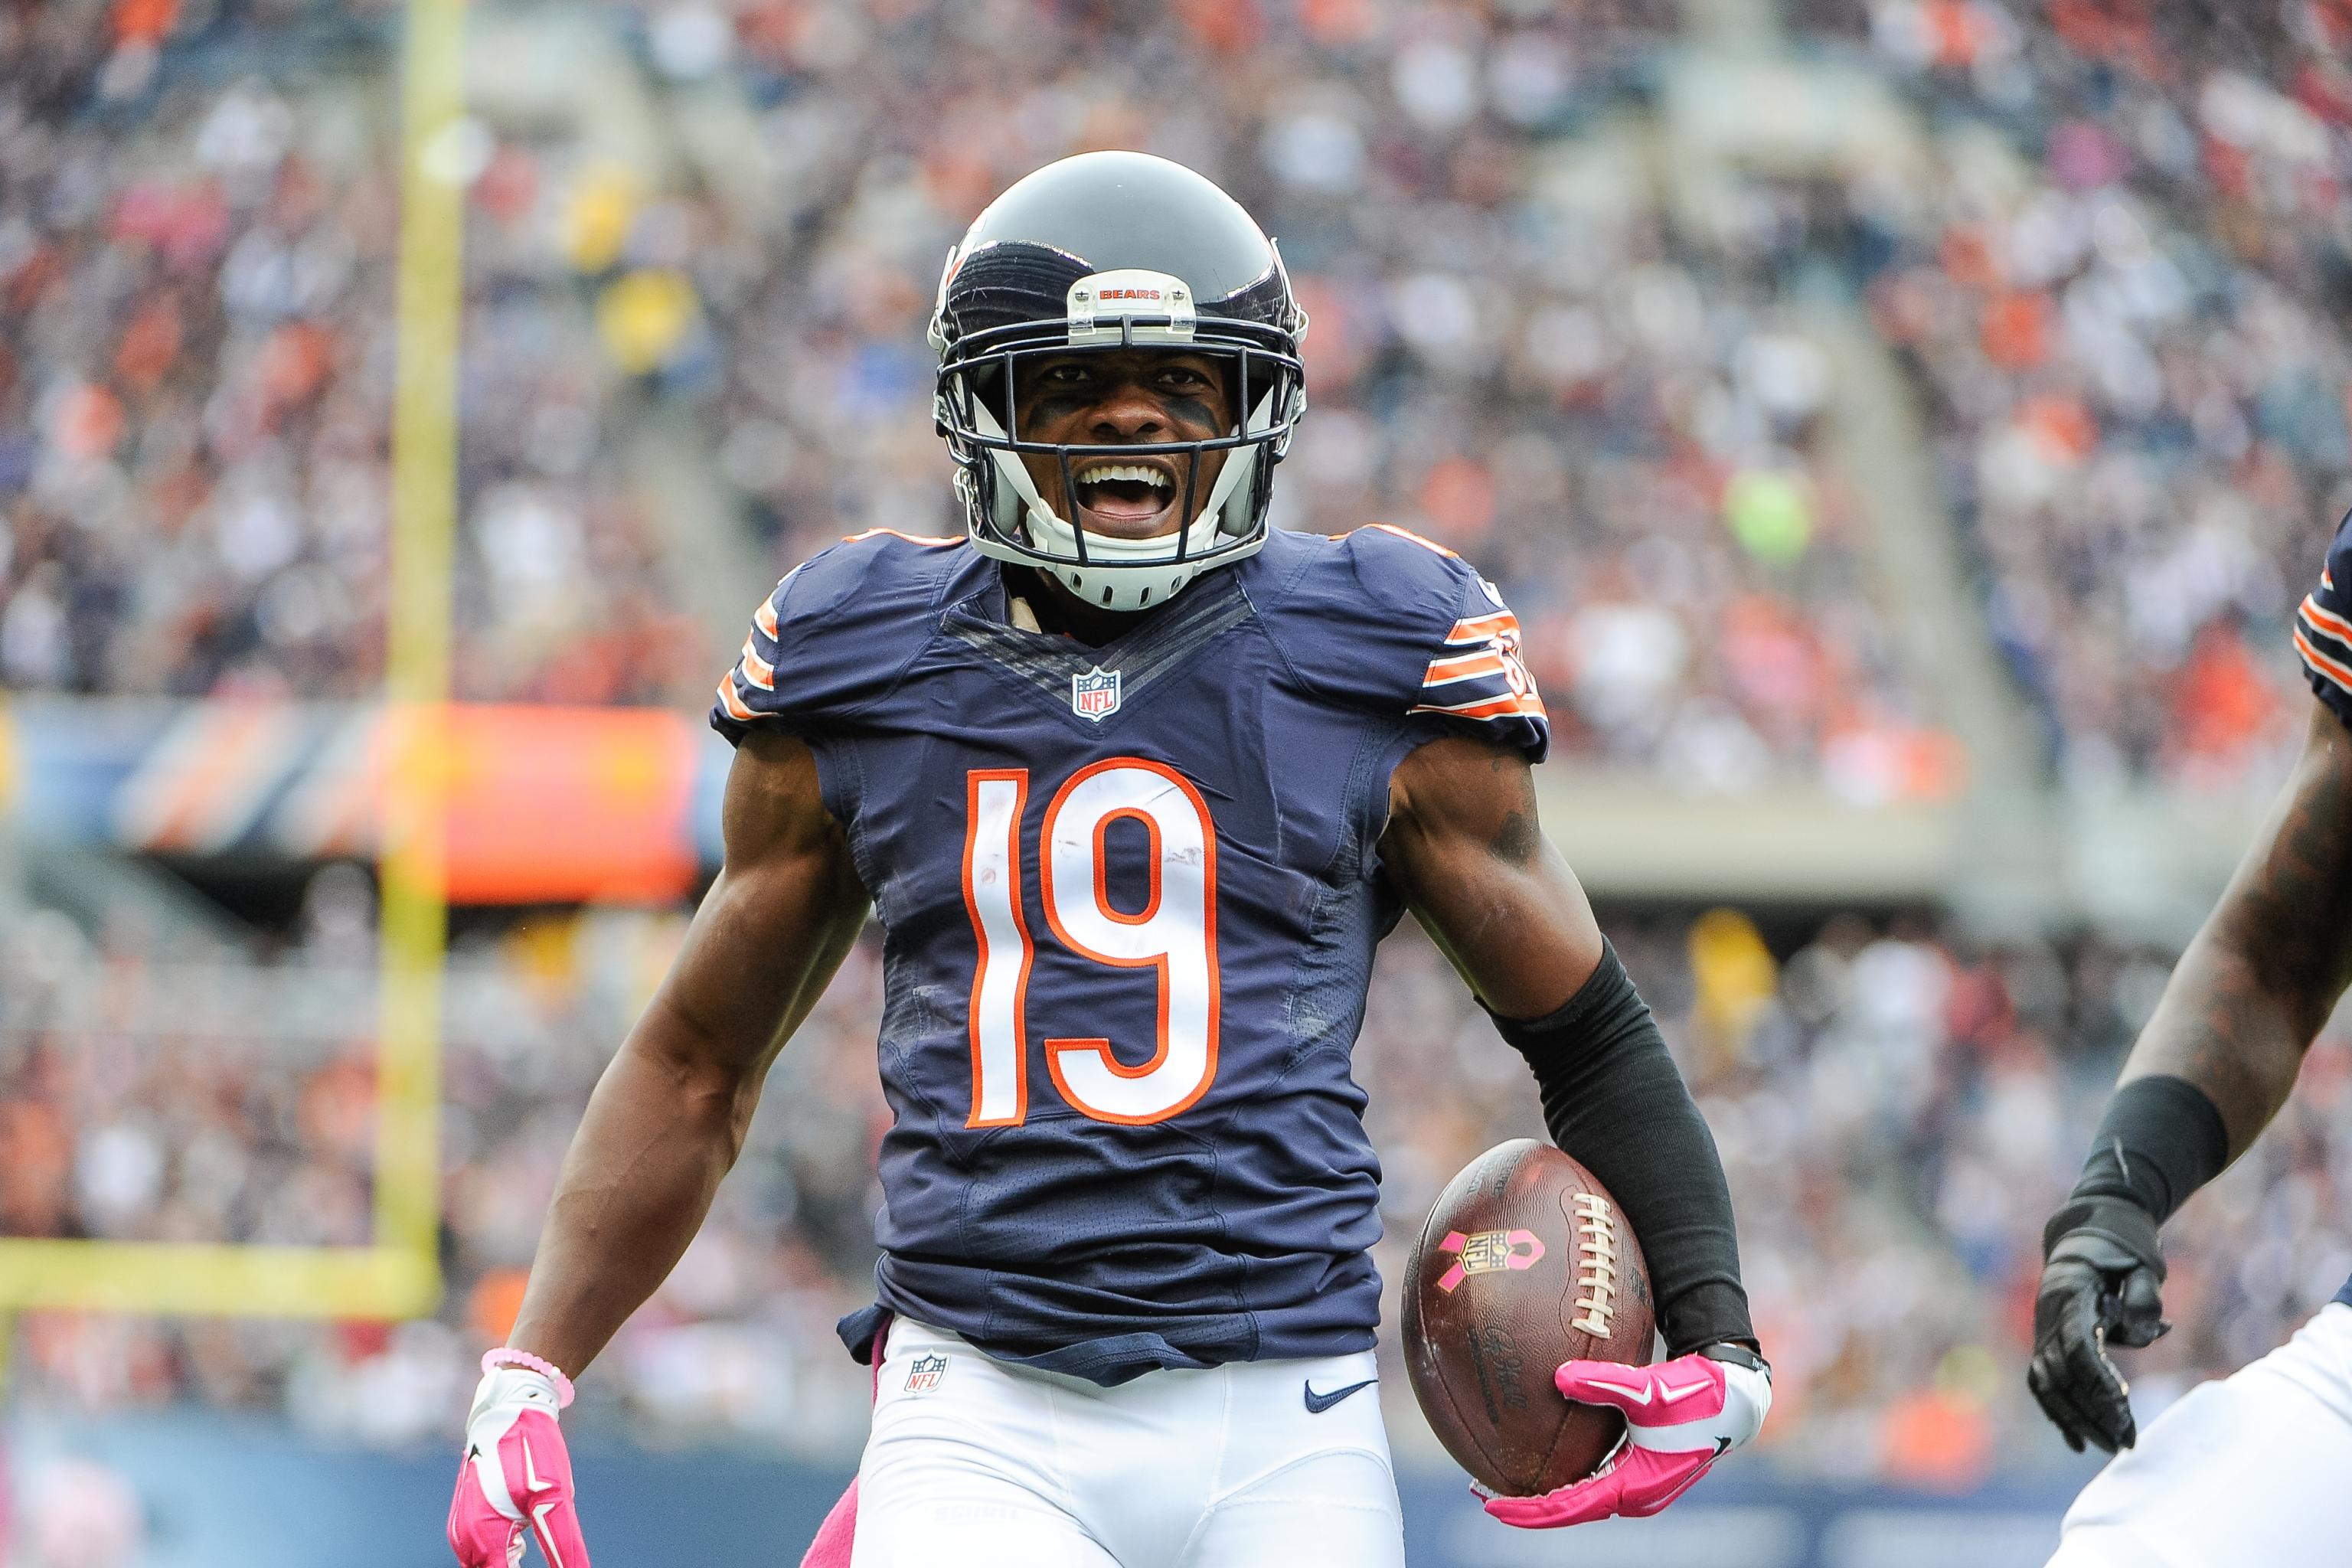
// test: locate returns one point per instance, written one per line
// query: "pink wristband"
(506, 1355)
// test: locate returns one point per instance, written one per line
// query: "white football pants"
(2253, 1471)
(980, 1464)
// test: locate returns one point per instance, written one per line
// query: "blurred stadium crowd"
(2117, 279)
(2115, 273)
(1514, 350)
(2124, 283)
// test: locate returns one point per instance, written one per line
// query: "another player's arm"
(1465, 846)
(2214, 1064)
(669, 1117)
(2267, 968)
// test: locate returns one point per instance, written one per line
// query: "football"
(1524, 1262)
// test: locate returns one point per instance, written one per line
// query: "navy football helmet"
(1109, 251)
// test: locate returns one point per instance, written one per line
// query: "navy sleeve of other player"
(1419, 632)
(815, 653)
(2323, 628)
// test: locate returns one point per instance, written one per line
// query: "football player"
(1133, 787)
(2250, 1469)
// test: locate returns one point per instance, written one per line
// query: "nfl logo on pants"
(1095, 694)
(925, 1375)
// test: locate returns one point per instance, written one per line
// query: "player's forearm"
(1465, 845)
(2266, 969)
(1613, 1099)
(660, 1132)
(2222, 1028)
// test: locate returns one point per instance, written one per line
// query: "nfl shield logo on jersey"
(925, 1375)
(1095, 694)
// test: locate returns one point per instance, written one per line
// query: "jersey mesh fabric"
(1282, 692)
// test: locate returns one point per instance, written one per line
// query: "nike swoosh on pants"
(1319, 1403)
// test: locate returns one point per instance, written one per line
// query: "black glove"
(2100, 1286)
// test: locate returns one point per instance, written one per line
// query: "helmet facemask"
(1005, 514)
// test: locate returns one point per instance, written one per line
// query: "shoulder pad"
(836, 631)
(1391, 621)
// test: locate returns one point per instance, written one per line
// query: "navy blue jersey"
(2322, 628)
(1130, 896)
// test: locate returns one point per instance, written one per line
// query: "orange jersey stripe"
(1408, 534)
(735, 706)
(1509, 704)
(1483, 629)
(2326, 621)
(1462, 666)
(2334, 669)
(757, 671)
(764, 617)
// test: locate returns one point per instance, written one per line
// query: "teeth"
(1133, 473)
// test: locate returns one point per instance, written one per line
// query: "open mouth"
(1123, 494)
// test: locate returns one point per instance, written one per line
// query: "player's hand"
(516, 1473)
(2101, 1285)
(1681, 1415)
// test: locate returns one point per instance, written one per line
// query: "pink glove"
(516, 1472)
(1681, 1415)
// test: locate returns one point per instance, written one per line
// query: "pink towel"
(831, 1547)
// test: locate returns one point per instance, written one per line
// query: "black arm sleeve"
(1613, 1099)
(2161, 1140)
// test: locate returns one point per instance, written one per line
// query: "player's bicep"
(1465, 846)
(784, 909)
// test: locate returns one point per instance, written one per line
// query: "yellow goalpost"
(398, 1274)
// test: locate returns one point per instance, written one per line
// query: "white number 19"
(1175, 932)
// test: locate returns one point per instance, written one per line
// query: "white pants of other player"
(985, 1465)
(2253, 1471)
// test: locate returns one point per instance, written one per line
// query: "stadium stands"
(2121, 284)
(1519, 351)
(198, 312)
